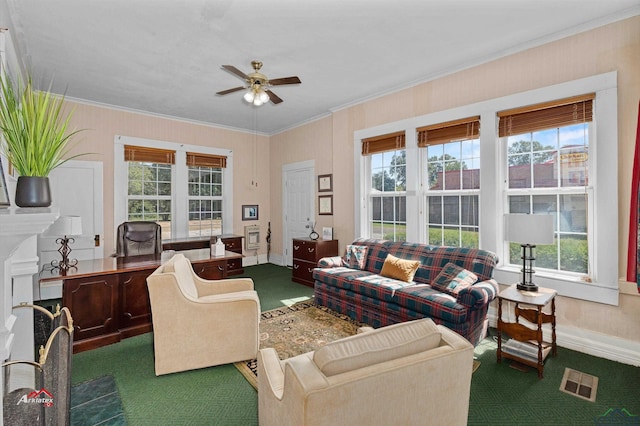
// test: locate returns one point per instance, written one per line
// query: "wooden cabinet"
(211, 270)
(232, 243)
(306, 254)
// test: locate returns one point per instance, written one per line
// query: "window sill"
(565, 285)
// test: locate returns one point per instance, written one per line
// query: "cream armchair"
(405, 374)
(200, 323)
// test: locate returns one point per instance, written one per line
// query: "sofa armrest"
(330, 262)
(479, 294)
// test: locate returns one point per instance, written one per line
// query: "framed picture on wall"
(325, 183)
(325, 204)
(250, 212)
(4, 193)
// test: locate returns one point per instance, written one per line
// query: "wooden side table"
(527, 345)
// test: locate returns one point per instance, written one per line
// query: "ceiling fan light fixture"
(263, 96)
(249, 95)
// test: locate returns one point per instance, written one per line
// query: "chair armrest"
(238, 296)
(232, 285)
(306, 373)
(330, 262)
(479, 294)
(270, 368)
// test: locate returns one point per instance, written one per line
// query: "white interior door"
(76, 189)
(298, 199)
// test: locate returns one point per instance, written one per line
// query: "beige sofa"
(405, 374)
(201, 323)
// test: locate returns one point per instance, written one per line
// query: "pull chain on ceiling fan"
(257, 85)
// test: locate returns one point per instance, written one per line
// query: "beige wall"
(615, 47)
(103, 124)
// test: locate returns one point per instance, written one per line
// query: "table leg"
(499, 351)
(540, 363)
(554, 347)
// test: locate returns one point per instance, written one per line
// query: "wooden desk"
(533, 350)
(108, 298)
(231, 243)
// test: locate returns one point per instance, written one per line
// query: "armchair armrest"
(232, 285)
(330, 262)
(479, 294)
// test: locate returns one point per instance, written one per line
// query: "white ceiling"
(164, 56)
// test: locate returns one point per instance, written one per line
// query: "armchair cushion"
(373, 347)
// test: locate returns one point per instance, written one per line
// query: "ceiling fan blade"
(235, 89)
(285, 80)
(273, 97)
(236, 71)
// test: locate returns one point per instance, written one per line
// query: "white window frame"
(179, 178)
(603, 176)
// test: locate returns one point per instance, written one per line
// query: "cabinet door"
(93, 305)
(213, 270)
(303, 272)
(135, 308)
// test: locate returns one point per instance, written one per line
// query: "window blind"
(383, 143)
(151, 155)
(206, 160)
(465, 128)
(564, 112)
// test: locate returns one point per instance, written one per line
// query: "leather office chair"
(139, 238)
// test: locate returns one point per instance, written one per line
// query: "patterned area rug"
(298, 329)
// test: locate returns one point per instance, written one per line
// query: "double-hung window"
(149, 172)
(387, 186)
(547, 172)
(451, 181)
(205, 193)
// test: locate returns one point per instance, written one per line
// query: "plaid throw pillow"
(355, 257)
(453, 278)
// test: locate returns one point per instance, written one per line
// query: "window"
(547, 165)
(387, 186)
(188, 189)
(549, 150)
(149, 186)
(205, 194)
(451, 182)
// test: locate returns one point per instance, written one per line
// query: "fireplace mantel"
(19, 228)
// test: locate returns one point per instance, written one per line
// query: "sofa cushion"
(384, 344)
(356, 257)
(432, 303)
(341, 277)
(453, 278)
(399, 269)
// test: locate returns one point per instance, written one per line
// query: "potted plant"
(35, 138)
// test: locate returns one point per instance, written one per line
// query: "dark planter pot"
(33, 191)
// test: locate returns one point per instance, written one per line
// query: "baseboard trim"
(589, 342)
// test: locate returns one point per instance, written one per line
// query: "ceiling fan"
(257, 88)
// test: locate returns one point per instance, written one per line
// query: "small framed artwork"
(327, 233)
(325, 204)
(4, 193)
(249, 212)
(325, 183)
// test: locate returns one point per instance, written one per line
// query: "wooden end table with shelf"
(529, 347)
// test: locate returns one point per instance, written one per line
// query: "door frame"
(310, 166)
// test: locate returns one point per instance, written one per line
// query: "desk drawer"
(305, 250)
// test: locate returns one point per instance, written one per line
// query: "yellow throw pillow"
(399, 269)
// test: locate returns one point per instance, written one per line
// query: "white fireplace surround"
(19, 228)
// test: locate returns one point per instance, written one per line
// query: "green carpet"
(500, 395)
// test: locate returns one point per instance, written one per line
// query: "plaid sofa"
(366, 296)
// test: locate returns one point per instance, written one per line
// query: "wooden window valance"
(206, 160)
(548, 115)
(383, 143)
(465, 128)
(150, 155)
